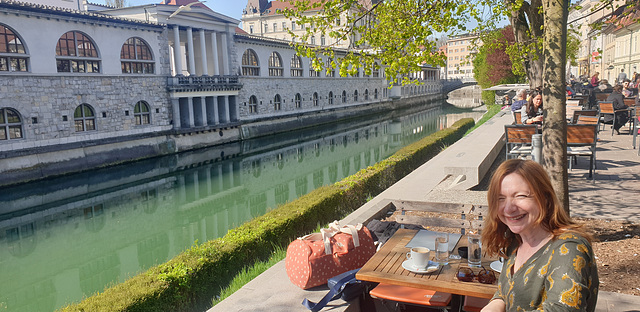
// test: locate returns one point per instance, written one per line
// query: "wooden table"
(386, 267)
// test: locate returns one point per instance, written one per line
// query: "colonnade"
(211, 59)
(203, 111)
(201, 96)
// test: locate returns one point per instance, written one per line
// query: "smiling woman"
(550, 262)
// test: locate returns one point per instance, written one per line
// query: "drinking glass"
(475, 250)
(442, 249)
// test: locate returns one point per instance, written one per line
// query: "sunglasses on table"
(485, 276)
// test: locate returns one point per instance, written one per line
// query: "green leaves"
(399, 34)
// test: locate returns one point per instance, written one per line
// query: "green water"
(67, 238)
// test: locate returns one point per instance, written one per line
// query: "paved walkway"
(613, 194)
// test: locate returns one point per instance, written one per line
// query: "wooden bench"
(581, 141)
(446, 215)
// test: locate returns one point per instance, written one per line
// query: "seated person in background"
(570, 92)
(604, 86)
(550, 265)
(506, 100)
(618, 104)
(532, 112)
(626, 89)
(520, 100)
(595, 81)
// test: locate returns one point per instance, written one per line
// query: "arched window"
(296, 66)
(84, 118)
(315, 98)
(76, 53)
(331, 72)
(366, 94)
(275, 64)
(10, 48)
(253, 104)
(277, 102)
(375, 93)
(298, 100)
(330, 98)
(313, 72)
(10, 124)
(136, 57)
(376, 70)
(250, 65)
(141, 113)
(344, 96)
(355, 96)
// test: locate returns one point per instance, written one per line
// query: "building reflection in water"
(69, 237)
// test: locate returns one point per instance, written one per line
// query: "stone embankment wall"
(59, 150)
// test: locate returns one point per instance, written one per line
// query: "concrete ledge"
(474, 154)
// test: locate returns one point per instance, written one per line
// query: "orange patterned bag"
(313, 259)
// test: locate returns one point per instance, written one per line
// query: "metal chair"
(517, 116)
(518, 140)
(401, 295)
(606, 108)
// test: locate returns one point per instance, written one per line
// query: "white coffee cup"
(419, 257)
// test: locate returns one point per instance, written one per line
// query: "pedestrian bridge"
(449, 85)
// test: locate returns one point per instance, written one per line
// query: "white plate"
(433, 266)
(496, 266)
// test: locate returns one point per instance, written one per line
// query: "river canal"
(66, 238)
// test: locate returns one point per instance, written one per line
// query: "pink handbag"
(313, 259)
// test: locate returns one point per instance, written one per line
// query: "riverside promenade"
(449, 177)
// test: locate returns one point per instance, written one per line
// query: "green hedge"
(192, 278)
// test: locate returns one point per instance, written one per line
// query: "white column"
(203, 52)
(215, 110)
(192, 59)
(190, 107)
(227, 107)
(177, 52)
(175, 103)
(225, 55)
(203, 104)
(214, 49)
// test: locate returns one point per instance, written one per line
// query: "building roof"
(274, 7)
(198, 4)
(47, 9)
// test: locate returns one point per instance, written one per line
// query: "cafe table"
(386, 267)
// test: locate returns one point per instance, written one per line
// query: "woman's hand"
(496, 305)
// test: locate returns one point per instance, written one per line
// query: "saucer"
(496, 266)
(432, 267)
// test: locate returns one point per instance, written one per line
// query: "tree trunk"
(527, 28)
(554, 135)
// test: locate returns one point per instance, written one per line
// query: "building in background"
(460, 53)
(264, 18)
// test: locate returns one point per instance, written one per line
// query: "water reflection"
(66, 238)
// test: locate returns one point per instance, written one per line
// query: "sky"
(231, 8)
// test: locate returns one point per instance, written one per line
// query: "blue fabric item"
(517, 105)
(335, 291)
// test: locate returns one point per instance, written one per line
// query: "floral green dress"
(560, 276)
